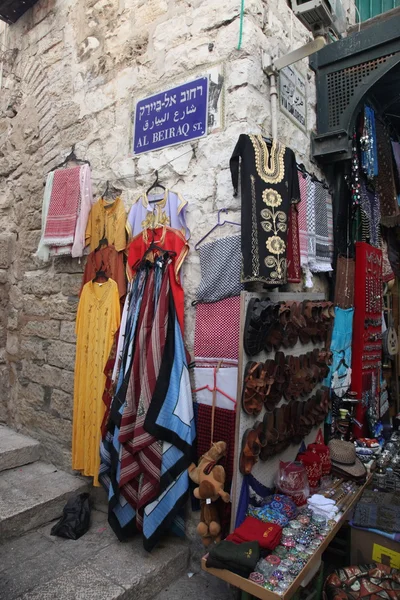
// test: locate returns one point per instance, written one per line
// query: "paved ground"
(38, 566)
(201, 586)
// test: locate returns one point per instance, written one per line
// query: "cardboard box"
(367, 547)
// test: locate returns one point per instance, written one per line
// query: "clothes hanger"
(102, 242)
(267, 140)
(71, 158)
(100, 274)
(218, 224)
(215, 388)
(111, 191)
(153, 246)
(156, 184)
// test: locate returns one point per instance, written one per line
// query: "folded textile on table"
(386, 534)
(252, 495)
(238, 558)
(266, 514)
(322, 506)
(283, 504)
(378, 511)
(268, 535)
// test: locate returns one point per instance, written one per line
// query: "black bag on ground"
(76, 518)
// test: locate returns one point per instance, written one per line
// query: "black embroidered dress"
(269, 184)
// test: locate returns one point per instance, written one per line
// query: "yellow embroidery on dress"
(157, 219)
(275, 222)
(276, 172)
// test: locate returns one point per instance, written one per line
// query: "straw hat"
(344, 458)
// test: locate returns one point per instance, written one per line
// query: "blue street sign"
(172, 117)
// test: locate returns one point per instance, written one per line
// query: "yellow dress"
(97, 320)
(107, 219)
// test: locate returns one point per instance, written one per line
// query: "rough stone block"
(48, 376)
(61, 404)
(32, 348)
(31, 393)
(66, 264)
(61, 354)
(71, 284)
(42, 328)
(12, 345)
(7, 242)
(41, 283)
(67, 332)
(150, 11)
(62, 307)
(16, 449)
(33, 495)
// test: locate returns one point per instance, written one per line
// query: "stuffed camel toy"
(210, 479)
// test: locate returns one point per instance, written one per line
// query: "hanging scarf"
(390, 210)
(369, 154)
(371, 209)
(63, 208)
(321, 263)
(303, 229)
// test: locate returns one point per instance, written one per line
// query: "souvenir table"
(259, 592)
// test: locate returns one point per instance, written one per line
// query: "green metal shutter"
(371, 8)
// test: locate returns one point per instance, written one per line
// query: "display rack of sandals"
(283, 362)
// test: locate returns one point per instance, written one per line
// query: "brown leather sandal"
(253, 386)
(290, 331)
(272, 436)
(284, 428)
(275, 336)
(310, 314)
(250, 451)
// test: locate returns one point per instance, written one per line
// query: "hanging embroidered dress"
(107, 220)
(269, 184)
(150, 211)
(111, 262)
(97, 321)
(170, 239)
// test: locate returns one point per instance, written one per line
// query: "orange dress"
(112, 263)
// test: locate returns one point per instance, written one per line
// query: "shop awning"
(12, 10)
(345, 73)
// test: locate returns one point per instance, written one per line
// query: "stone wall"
(71, 72)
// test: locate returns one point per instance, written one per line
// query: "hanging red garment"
(168, 239)
(293, 246)
(367, 331)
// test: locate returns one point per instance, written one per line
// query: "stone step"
(16, 449)
(38, 566)
(32, 495)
